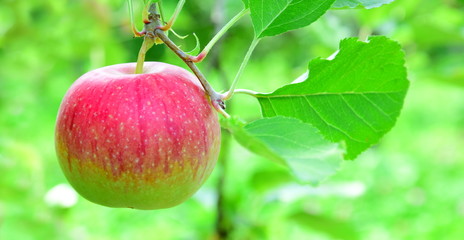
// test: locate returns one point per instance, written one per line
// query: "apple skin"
(144, 141)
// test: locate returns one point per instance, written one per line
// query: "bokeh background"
(409, 186)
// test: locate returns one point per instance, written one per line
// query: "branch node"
(154, 30)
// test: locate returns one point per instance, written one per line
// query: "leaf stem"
(246, 91)
(231, 91)
(160, 10)
(136, 32)
(219, 34)
(171, 21)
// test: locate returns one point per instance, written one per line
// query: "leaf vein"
(295, 20)
(377, 107)
(331, 125)
(359, 116)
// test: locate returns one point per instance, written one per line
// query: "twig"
(154, 29)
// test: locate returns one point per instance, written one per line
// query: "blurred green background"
(409, 186)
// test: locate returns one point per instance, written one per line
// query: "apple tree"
(146, 135)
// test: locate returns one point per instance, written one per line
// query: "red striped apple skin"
(144, 141)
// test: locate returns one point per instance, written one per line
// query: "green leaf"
(364, 3)
(273, 17)
(246, 3)
(354, 98)
(288, 141)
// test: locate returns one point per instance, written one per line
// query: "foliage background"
(410, 186)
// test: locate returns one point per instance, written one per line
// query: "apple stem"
(146, 45)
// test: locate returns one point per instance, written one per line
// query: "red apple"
(144, 141)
